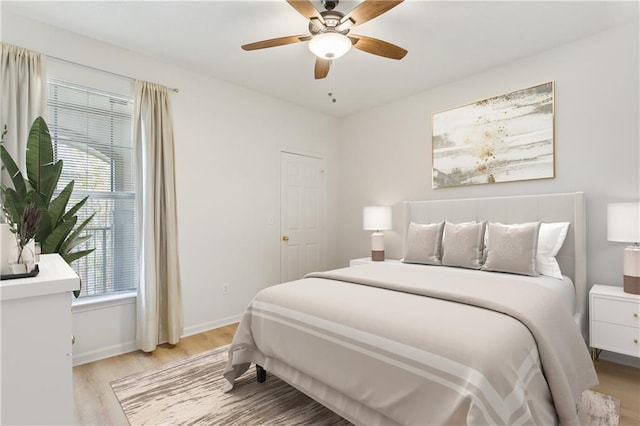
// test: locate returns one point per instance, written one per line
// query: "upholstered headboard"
(568, 207)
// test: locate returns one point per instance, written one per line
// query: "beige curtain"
(159, 305)
(23, 88)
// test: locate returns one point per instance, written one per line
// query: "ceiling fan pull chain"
(332, 93)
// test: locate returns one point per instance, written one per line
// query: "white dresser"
(36, 362)
(615, 320)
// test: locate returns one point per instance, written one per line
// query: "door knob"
(285, 238)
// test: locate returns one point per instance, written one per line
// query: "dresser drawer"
(617, 338)
(616, 311)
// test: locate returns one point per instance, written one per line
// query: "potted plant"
(55, 229)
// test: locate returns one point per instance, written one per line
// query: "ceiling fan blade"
(280, 41)
(322, 68)
(306, 9)
(369, 9)
(377, 47)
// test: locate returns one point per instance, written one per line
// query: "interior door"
(302, 219)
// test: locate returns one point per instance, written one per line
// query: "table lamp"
(376, 218)
(623, 225)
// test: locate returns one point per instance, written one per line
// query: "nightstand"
(367, 260)
(614, 321)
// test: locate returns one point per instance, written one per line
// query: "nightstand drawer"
(617, 338)
(616, 311)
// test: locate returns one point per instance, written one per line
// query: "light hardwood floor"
(95, 403)
(94, 400)
(622, 382)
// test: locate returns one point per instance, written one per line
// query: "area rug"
(188, 392)
(595, 409)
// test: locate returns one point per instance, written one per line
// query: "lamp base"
(377, 256)
(631, 270)
(377, 246)
(631, 284)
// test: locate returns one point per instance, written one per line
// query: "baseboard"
(210, 325)
(102, 353)
(123, 348)
(620, 359)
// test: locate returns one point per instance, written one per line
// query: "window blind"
(92, 132)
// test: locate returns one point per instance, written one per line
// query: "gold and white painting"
(501, 139)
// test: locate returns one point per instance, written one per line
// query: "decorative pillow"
(512, 248)
(550, 241)
(424, 243)
(462, 244)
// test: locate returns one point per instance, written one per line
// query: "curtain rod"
(174, 90)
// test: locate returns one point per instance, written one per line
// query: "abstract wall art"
(500, 139)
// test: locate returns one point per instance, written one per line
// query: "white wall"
(385, 153)
(228, 141)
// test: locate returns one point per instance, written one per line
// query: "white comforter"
(419, 345)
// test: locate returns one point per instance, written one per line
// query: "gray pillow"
(462, 244)
(512, 248)
(424, 243)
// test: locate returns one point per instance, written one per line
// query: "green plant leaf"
(43, 174)
(75, 208)
(45, 226)
(13, 171)
(58, 235)
(70, 257)
(59, 204)
(13, 205)
(75, 238)
(51, 182)
(39, 154)
(71, 243)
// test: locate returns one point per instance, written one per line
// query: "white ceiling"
(446, 40)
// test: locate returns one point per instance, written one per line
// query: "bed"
(427, 344)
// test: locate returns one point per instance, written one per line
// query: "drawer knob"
(635, 340)
(635, 315)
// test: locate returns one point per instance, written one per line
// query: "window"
(92, 133)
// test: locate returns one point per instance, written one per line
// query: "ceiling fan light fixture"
(329, 45)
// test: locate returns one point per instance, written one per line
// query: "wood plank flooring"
(94, 400)
(622, 382)
(95, 403)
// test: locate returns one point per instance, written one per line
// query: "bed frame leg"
(261, 374)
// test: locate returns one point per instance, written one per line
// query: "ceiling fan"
(329, 36)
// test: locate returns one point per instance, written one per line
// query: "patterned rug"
(189, 392)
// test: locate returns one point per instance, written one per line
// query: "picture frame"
(505, 138)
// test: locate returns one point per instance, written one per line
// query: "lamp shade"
(329, 45)
(376, 218)
(623, 222)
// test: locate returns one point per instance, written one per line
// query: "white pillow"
(550, 240)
